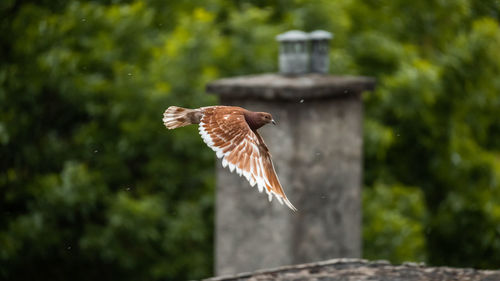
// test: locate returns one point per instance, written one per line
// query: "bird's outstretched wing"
(225, 130)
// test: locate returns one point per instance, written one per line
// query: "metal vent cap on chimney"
(294, 55)
(320, 35)
(320, 62)
(292, 35)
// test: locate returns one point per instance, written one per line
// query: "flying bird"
(231, 132)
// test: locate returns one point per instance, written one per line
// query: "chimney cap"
(292, 35)
(320, 35)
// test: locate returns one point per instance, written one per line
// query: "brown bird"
(232, 133)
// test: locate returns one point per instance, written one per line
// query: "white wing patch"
(240, 152)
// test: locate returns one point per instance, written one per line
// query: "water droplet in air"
(84, 19)
(302, 101)
(127, 189)
(95, 151)
(69, 248)
(129, 74)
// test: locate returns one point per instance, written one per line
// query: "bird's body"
(232, 133)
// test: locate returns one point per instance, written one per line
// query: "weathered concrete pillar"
(317, 152)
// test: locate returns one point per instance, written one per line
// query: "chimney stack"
(317, 154)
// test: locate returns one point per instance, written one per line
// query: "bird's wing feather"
(225, 130)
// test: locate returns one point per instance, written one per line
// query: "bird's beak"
(274, 122)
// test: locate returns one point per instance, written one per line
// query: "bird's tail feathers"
(176, 117)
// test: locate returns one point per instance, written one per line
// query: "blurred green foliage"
(93, 187)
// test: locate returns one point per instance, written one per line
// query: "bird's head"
(258, 119)
(266, 118)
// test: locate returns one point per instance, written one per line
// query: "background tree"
(92, 186)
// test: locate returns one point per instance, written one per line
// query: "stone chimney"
(317, 152)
